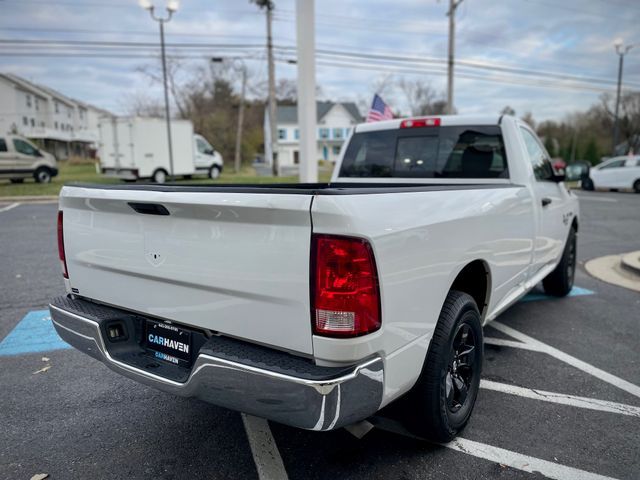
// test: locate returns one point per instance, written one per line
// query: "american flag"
(379, 110)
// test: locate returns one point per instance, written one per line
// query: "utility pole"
(272, 92)
(621, 50)
(453, 4)
(237, 158)
(306, 55)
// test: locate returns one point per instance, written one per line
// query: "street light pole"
(453, 4)
(172, 7)
(621, 50)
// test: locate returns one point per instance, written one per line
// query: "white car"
(615, 173)
(315, 305)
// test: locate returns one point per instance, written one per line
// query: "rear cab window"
(428, 152)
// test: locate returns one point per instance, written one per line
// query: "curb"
(631, 262)
(610, 269)
(31, 199)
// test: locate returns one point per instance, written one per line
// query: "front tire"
(587, 184)
(441, 402)
(214, 172)
(42, 175)
(560, 282)
(636, 186)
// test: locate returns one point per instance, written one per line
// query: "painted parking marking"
(263, 448)
(562, 399)
(34, 333)
(575, 292)
(570, 360)
(520, 461)
(501, 342)
(9, 207)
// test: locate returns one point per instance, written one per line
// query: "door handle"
(149, 208)
(546, 201)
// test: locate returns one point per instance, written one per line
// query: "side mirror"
(210, 151)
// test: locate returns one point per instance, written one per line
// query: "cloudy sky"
(547, 57)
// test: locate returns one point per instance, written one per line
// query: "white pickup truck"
(315, 305)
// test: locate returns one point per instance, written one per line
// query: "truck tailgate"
(235, 263)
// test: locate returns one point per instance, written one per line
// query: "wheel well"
(475, 280)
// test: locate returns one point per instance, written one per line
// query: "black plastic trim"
(302, 188)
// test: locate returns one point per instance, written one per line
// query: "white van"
(615, 173)
(20, 159)
(133, 148)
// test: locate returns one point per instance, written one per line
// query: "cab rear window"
(444, 152)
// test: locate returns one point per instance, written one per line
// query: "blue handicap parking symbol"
(575, 292)
(34, 333)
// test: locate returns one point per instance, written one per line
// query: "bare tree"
(507, 110)
(422, 98)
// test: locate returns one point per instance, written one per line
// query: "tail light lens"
(345, 292)
(63, 258)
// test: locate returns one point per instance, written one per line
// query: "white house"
(335, 122)
(60, 124)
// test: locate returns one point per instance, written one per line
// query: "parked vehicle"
(315, 305)
(133, 148)
(618, 173)
(20, 159)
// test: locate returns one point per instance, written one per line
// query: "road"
(78, 419)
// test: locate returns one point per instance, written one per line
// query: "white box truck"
(133, 148)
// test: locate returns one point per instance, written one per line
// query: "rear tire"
(560, 282)
(636, 186)
(441, 402)
(159, 176)
(214, 172)
(587, 184)
(42, 175)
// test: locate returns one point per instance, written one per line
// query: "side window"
(23, 147)
(537, 156)
(615, 164)
(3, 145)
(201, 146)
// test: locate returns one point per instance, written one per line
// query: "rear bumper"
(232, 374)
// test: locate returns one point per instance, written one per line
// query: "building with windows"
(59, 124)
(335, 121)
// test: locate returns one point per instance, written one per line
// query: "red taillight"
(345, 293)
(63, 258)
(420, 122)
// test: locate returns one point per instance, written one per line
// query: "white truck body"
(134, 148)
(235, 261)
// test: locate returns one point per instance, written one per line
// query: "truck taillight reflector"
(345, 292)
(63, 258)
(420, 122)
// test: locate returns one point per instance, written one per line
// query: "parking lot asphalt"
(78, 419)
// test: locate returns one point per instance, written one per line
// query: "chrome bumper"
(309, 403)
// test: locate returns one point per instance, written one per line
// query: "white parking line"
(9, 207)
(501, 342)
(264, 449)
(573, 361)
(562, 399)
(521, 462)
(596, 199)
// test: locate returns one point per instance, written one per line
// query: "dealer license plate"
(168, 342)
